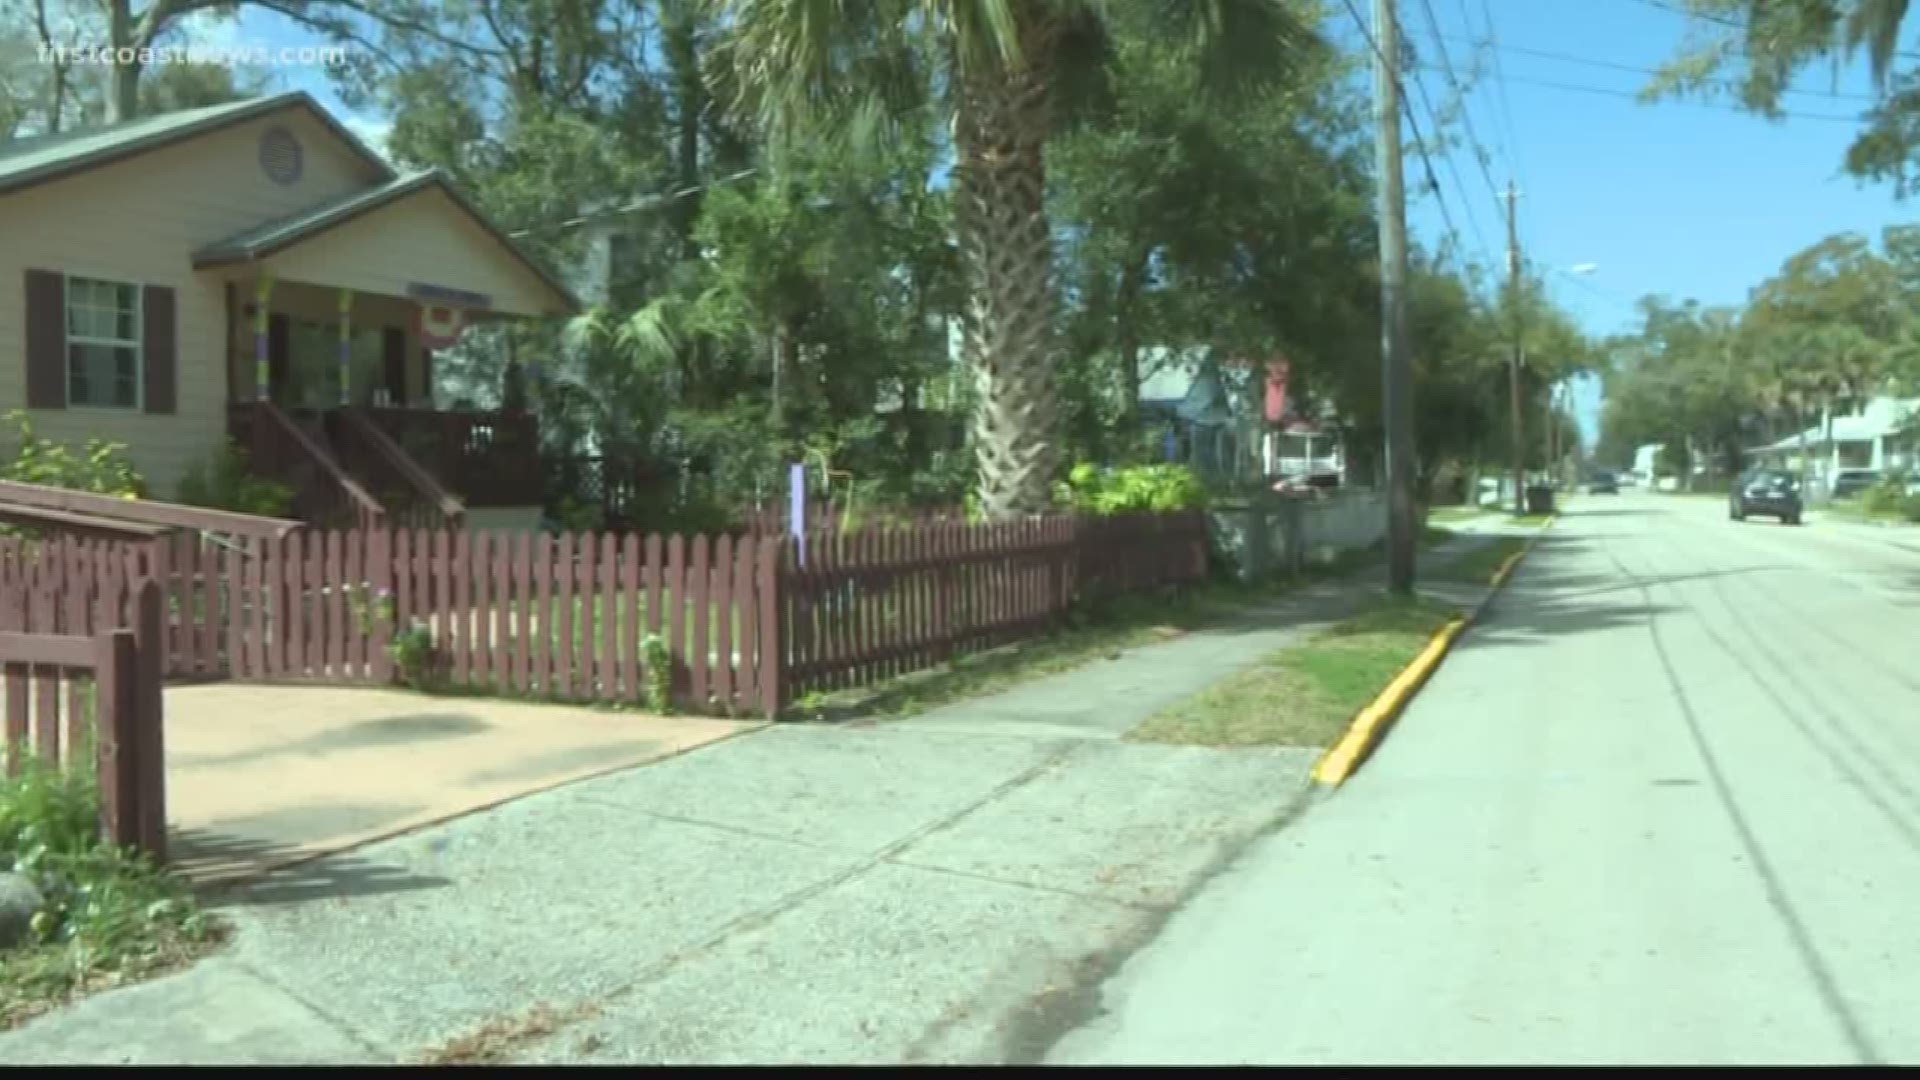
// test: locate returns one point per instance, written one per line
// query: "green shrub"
(226, 482)
(1885, 496)
(109, 914)
(45, 816)
(574, 516)
(659, 664)
(101, 467)
(1134, 490)
(414, 657)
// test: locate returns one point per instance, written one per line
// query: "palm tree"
(1005, 75)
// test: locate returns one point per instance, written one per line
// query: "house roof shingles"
(30, 161)
(264, 240)
(34, 160)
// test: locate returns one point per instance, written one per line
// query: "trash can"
(1539, 499)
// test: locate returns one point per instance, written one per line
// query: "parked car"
(1850, 482)
(1767, 492)
(1603, 483)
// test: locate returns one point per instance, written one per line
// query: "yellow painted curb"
(1506, 568)
(1371, 724)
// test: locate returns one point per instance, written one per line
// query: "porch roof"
(1882, 418)
(275, 237)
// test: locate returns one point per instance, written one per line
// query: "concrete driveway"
(260, 776)
(1661, 807)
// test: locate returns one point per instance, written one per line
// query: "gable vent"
(280, 155)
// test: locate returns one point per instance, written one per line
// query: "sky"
(1677, 199)
(1685, 200)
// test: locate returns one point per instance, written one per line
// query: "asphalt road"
(1661, 806)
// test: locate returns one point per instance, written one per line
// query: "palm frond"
(591, 329)
(652, 335)
(1237, 45)
(806, 71)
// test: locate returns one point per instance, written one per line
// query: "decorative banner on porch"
(439, 326)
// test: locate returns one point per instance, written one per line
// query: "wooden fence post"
(772, 662)
(1197, 522)
(381, 601)
(150, 737)
(117, 735)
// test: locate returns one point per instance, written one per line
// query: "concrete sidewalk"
(1899, 535)
(938, 889)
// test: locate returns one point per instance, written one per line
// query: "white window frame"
(137, 343)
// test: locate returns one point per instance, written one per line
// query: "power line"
(1634, 96)
(1473, 221)
(1466, 114)
(1516, 163)
(642, 205)
(1736, 24)
(1615, 66)
(1420, 141)
(1703, 15)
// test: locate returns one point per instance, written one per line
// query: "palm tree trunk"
(1006, 254)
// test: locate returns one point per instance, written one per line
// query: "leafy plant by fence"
(80, 699)
(727, 624)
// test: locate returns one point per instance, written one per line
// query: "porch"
(361, 465)
(333, 321)
(331, 391)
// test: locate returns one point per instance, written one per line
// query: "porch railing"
(487, 458)
(413, 496)
(280, 449)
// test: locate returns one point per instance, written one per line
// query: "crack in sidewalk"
(769, 912)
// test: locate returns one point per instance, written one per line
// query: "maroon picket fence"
(877, 603)
(834, 517)
(744, 624)
(80, 674)
(564, 617)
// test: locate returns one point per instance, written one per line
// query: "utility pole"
(1513, 366)
(1396, 366)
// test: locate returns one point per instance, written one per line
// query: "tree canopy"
(1834, 327)
(1751, 52)
(933, 247)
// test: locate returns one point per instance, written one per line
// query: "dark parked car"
(1769, 493)
(1850, 482)
(1603, 483)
